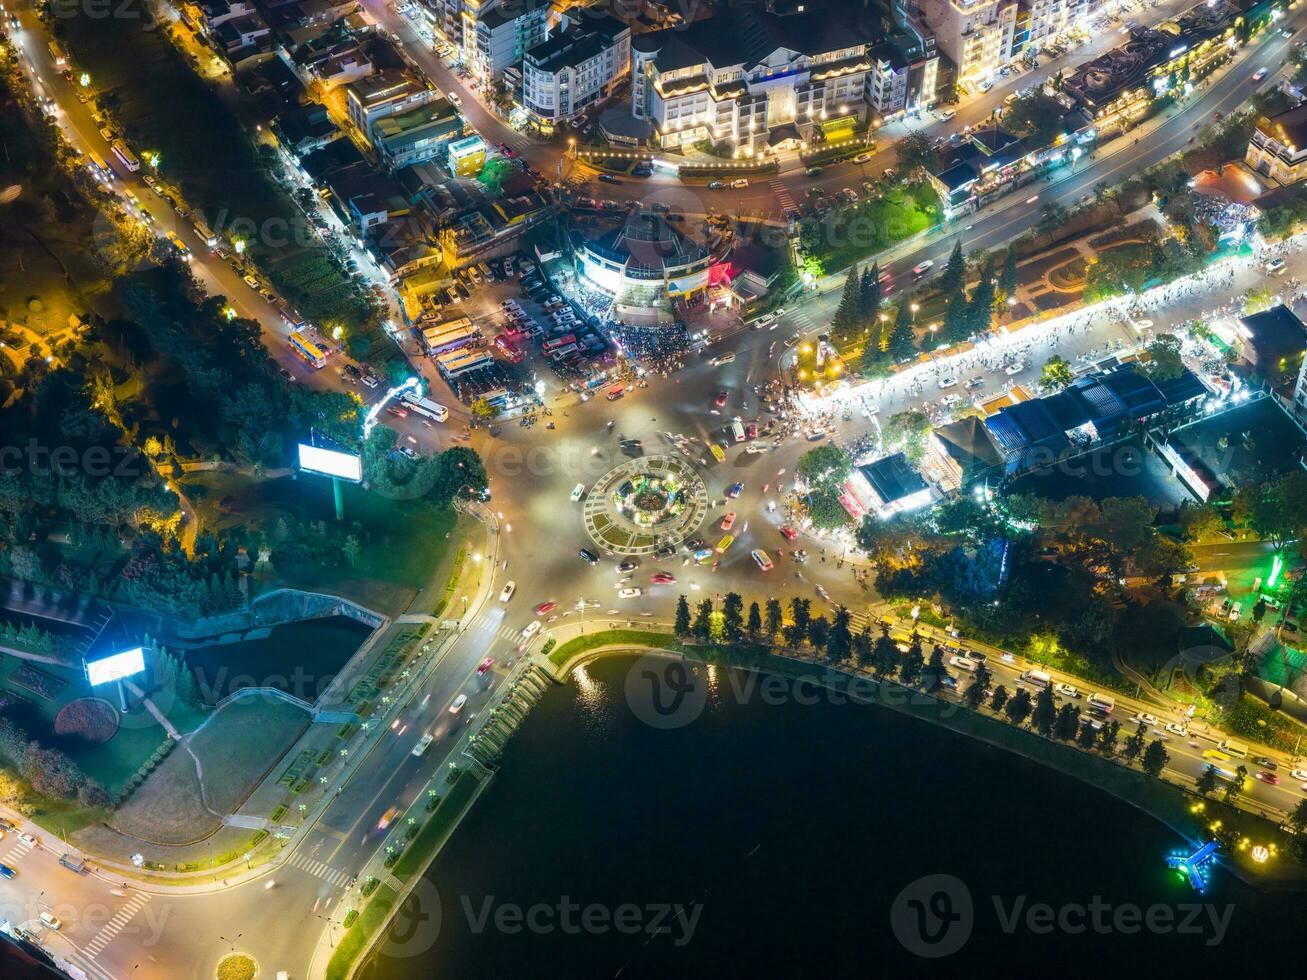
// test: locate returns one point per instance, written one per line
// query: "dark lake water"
(792, 831)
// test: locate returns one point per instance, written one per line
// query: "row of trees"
(967, 315)
(49, 772)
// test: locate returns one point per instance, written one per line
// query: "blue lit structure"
(1194, 866)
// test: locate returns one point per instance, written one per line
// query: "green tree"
(682, 626)
(1045, 715)
(998, 699)
(1234, 786)
(839, 642)
(1155, 758)
(1018, 707)
(1088, 737)
(907, 431)
(1164, 361)
(885, 657)
(774, 618)
(980, 308)
(1056, 373)
(1208, 780)
(871, 293)
(754, 627)
(954, 277)
(957, 317)
(818, 632)
(825, 467)
(1036, 117)
(977, 689)
(800, 615)
(351, 550)
(902, 343)
(702, 628)
(913, 664)
(847, 320)
(733, 617)
(916, 154)
(1107, 738)
(1067, 723)
(934, 673)
(1134, 744)
(1007, 279)
(1298, 818)
(862, 647)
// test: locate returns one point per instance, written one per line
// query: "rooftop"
(568, 49)
(1288, 127)
(893, 478)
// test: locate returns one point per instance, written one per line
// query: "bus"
(1101, 702)
(57, 55)
(307, 349)
(725, 543)
(558, 342)
(425, 406)
(205, 232)
(446, 337)
(764, 562)
(99, 168)
(126, 156)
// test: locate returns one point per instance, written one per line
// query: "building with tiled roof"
(1278, 146)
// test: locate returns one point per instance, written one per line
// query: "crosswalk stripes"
(782, 194)
(86, 967)
(20, 850)
(319, 869)
(117, 923)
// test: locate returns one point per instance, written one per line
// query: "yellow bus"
(725, 543)
(307, 349)
(718, 453)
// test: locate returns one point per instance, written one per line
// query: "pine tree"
(871, 293)
(1007, 279)
(957, 318)
(774, 618)
(733, 616)
(818, 632)
(902, 345)
(839, 642)
(862, 644)
(955, 273)
(847, 319)
(702, 628)
(682, 627)
(980, 311)
(754, 626)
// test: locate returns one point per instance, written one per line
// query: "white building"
(751, 80)
(385, 94)
(496, 34)
(977, 35)
(574, 69)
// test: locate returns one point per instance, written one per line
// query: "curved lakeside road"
(532, 473)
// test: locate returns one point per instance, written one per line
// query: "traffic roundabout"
(645, 504)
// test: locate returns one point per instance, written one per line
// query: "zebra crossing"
(116, 925)
(782, 194)
(78, 964)
(320, 869)
(581, 174)
(16, 853)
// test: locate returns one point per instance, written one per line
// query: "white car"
(1299, 774)
(28, 839)
(51, 921)
(531, 630)
(1175, 728)
(578, 492)
(962, 663)
(862, 158)
(949, 382)
(754, 448)
(453, 98)
(1148, 720)
(1066, 690)
(423, 744)
(1016, 368)
(457, 706)
(740, 182)
(1275, 267)
(1260, 74)
(629, 593)
(508, 590)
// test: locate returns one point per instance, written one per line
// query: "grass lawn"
(608, 638)
(235, 748)
(420, 852)
(358, 936)
(854, 234)
(401, 541)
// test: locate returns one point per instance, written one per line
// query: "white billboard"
(330, 462)
(116, 667)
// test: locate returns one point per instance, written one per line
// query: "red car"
(751, 430)
(721, 399)
(663, 578)
(728, 521)
(1267, 777)
(789, 532)
(485, 665)
(545, 607)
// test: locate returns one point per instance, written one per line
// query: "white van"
(531, 630)
(1231, 747)
(51, 921)
(1037, 678)
(1101, 702)
(962, 662)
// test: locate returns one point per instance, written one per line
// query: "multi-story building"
(418, 135)
(497, 34)
(384, 94)
(574, 69)
(1278, 147)
(1049, 18)
(749, 80)
(977, 35)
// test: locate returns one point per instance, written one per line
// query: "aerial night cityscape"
(645, 489)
